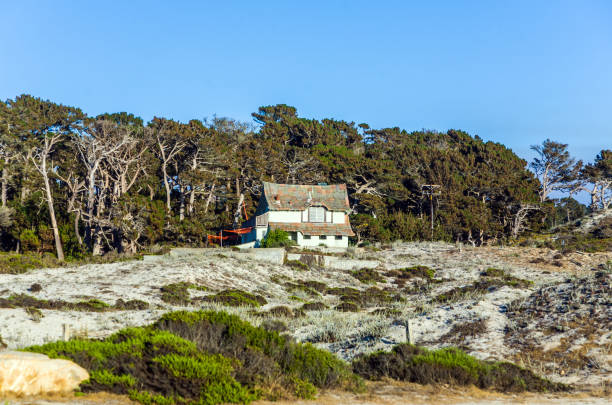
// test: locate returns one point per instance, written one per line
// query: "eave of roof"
(313, 228)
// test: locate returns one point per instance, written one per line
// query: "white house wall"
(338, 217)
(315, 241)
(285, 216)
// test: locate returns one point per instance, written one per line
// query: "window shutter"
(316, 214)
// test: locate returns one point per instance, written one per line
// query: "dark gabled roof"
(313, 228)
(298, 197)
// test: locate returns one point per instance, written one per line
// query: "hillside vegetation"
(213, 357)
(78, 185)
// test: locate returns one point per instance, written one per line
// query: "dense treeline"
(81, 185)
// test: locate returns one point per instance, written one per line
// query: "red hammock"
(236, 232)
(239, 231)
(215, 237)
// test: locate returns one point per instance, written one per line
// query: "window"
(293, 236)
(338, 237)
(261, 220)
(306, 236)
(316, 214)
(323, 237)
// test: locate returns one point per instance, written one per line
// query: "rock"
(29, 374)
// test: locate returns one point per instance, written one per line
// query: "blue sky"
(513, 72)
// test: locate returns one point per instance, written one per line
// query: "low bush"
(491, 280)
(203, 358)
(12, 263)
(153, 366)
(178, 293)
(493, 272)
(91, 305)
(310, 287)
(35, 288)
(408, 273)
(347, 306)
(281, 311)
(460, 331)
(236, 298)
(505, 279)
(370, 297)
(265, 356)
(387, 312)
(314, 306)
(298, 265)
(277, 238)
(131, 305)
(18, 263)
(35, 314)
(368, 276)
(449, 366)
(274, 325)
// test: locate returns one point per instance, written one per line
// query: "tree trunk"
(4, 182)
(24, 194)
(227, 193)
(210, 197)
(77, 217)
(56, 235)
(191, 200)
(96, 249)
(181, 203)
(90, 209)
(166, 185)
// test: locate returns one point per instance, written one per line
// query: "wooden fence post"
(65, 332)
(409, 338)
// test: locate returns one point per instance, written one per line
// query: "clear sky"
(515, 72)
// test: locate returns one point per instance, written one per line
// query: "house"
(312, 215)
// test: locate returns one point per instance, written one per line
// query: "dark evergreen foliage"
(117, 184)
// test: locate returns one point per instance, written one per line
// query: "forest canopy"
(77, 185)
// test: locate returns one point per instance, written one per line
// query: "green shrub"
(303, 389)
(367, 276)
(131, 305)
(311, 287)
(298, 265)
(223, 332)
(493, 272)
(492, 280)
(314, 306)
(368, 297)
(92, 305)
(165, 367)
(347, 307)
(277, 238)
(204, 358)
(236, 298)
(408, 273)
(29, 240)
(11, 263)
(105, 377)
(449, 366)
(281, 311)
(178, 293)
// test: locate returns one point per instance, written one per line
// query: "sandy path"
(379, 393)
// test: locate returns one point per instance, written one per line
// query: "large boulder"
(28, 374)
